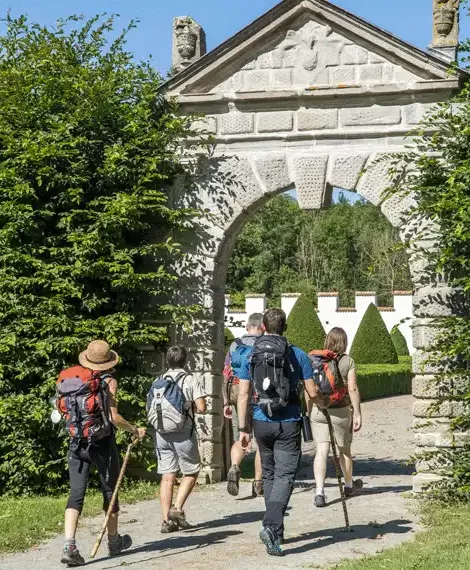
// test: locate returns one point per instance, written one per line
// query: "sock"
(70, 543)
(348, 484)
(320, 491)
(113, 539)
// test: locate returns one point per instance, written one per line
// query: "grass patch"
(443, 546)
(25, 522)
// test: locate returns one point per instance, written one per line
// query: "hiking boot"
(177, 516)
(257, 489)
(320, 501)
(169, 526)
(357, 486)
(269, 539)
(72, 557)
(117, 546)
(233, 480)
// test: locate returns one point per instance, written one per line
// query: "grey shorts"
(178, 452)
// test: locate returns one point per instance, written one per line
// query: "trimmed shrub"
(304, 328)
(399, 342)
(373, 343)
(379, 381)
(228, 338)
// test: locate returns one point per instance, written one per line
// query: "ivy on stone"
(87, 148)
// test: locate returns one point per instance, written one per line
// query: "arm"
(355, 399)
(244, 393)
(200, 405)
(116, 418)
(313, 395)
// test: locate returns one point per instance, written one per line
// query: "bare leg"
(166, 493)
(71, 522)
(113, 524)
(319, 465)
(258, 469)
(237, 454)
(185, 488)
(345, 459)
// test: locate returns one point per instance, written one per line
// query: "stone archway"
(306, 97)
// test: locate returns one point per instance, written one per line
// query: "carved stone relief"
(189, 42)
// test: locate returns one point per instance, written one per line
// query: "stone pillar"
(288, 300)
(255, 304)
(445, 37)
(189, 42)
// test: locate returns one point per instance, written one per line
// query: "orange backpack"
(82, 399)
(327, 375)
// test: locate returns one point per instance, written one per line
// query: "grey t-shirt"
(247, 340)
(192, 388)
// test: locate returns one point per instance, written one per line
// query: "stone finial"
(445, 38)
(189, 42)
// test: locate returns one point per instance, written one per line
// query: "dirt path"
(226, 536)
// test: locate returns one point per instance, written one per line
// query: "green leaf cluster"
(87, 148)
(372, 343)
(304, 328)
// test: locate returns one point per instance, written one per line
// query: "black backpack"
(270, 370)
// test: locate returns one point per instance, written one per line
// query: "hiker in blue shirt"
(275, 374)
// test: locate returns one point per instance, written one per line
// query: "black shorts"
(103, 454)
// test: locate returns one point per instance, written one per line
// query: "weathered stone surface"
(365, 116)
(273, 172)
(211, 453)
(423, 364)
(397, 209)
(375, 180)
(345, 170)
(432, 409)
(342, 75)
(370, 73)
(431, 425)
(236, 123)
(276, 121)
(282, 78)
(353, 55)
(317, 119)
(310, 173)
(255, 80)
(207, 125)
(415, 112)
(425, 332)
(189, 42)
(426, 386)
(439, 302)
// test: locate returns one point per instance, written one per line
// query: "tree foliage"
(86, 150)
(399, 342)
(346, 248)
(373, 343)
(304, 328)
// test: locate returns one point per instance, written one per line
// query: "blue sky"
(411, 20)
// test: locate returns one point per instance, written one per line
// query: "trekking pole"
(338, 469)
(131, 445)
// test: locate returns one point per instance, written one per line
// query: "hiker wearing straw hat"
(86, 398)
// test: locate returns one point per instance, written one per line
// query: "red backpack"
(327, 375)
(83, 401)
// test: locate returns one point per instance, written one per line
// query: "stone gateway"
(305, 97)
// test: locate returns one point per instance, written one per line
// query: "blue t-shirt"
(302, 371)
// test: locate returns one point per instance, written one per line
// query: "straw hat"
(98, 356)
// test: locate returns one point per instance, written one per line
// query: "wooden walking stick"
(131, 445)
(338, 469)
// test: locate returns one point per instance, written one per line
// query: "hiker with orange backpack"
(335, 375)
(86, 398)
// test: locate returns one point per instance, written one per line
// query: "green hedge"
(383, 380)
(228, 338)
(373, 343)
(304, 328)
(399, 342)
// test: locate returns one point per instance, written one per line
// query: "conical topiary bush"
(399, 342)
(228, 338)
(304, 328)
(373, 343)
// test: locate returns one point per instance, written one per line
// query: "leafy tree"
(87, 147)
(304, 328)
(399, 342)
(373, 343)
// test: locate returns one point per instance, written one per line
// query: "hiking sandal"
(71, 557)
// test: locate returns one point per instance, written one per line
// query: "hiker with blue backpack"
(172, 401)
(273, 378)
(239, 350)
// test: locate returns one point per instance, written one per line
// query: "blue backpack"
(239, 357)
(167, 409)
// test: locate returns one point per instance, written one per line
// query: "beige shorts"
(342, 420)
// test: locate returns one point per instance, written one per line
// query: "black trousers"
(280, 449)
(103, 454)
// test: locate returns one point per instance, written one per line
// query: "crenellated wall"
(331, 314)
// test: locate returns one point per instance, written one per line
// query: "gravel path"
(226, 536)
